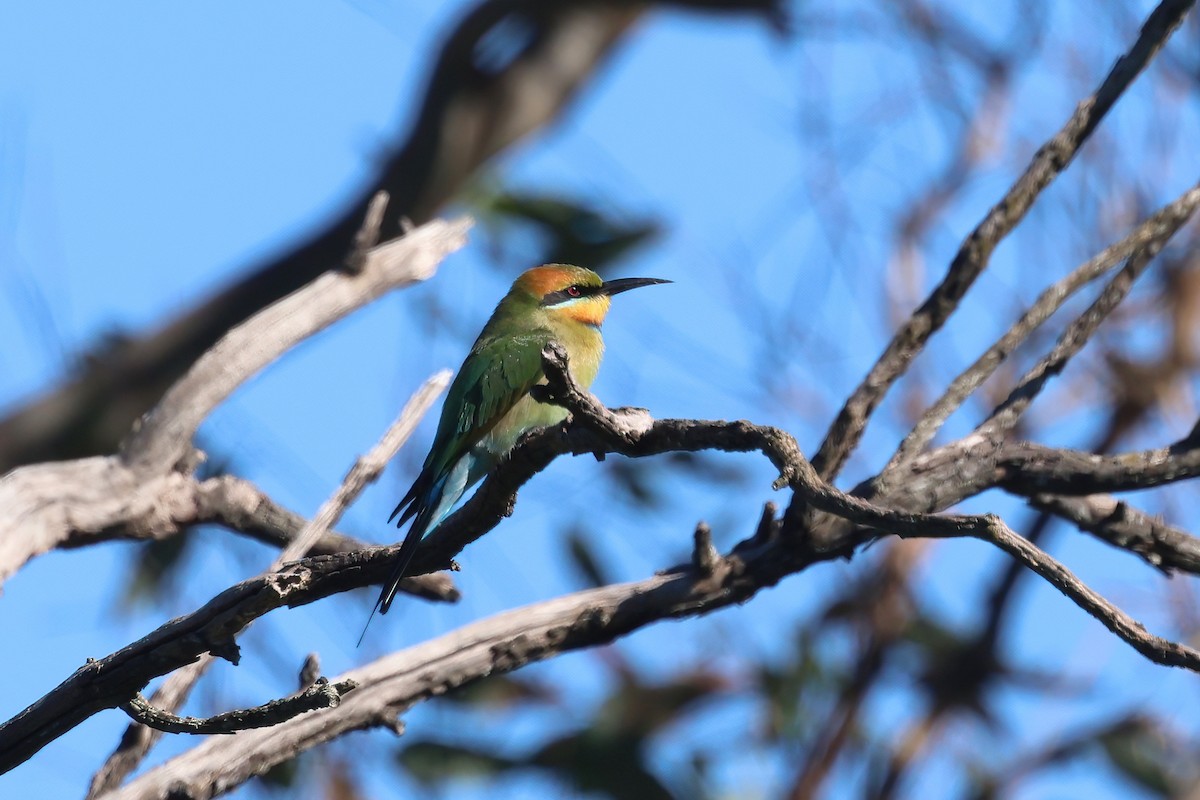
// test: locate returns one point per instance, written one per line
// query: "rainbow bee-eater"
(489, 407)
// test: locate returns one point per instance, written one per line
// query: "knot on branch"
(388, 719)
(226, 648)
(768, 526)
(310, 671)
(368, 234)
(705, 557)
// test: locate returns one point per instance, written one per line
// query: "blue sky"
(149, 153)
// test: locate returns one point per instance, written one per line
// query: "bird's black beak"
(625, 284)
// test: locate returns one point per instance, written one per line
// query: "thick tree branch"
(515, 638)
(511, 640)
(141, 494)
(81, 503)
(1028, 469)
(392, 684)
(975, 252)
(165, 434)
(752, 566)
(111, 681)
(473, 108)
(171, 695)
(1116, 522)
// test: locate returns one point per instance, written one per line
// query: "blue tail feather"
(429, 501)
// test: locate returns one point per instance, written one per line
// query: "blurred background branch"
(806, 185)
(509, 68)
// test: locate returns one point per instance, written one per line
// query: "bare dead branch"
(1028, 469)
(239, 505)
(310, 670)
(1004, 418)
(1121, 525)
(137, 740)
(322, 694)
(752, 566)
(1155, 648)
(392, 684)
(768, 525)
(705, 558)
(368, 235)
(135, 743)
(165, 434)
(515, 638)
(86, 502)
(804, 480)
(471, 110)
(949, 474)
(367, 469)
(113, 680)
(140, 494)
(110, 681)
(1159, 227)
(973, 256)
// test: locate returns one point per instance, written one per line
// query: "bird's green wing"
(496, 374)
(494, 377)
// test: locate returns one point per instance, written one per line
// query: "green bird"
(489, 407)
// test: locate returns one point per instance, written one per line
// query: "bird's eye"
(573, 291)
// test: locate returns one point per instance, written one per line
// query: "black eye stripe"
(570, 293)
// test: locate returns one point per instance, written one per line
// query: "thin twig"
(367, 469)
(1161, 226)
(972, 257)
(322, 694)
(1155, 648)
(1006, 415)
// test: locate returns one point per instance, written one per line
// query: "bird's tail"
(399, 568)
(428, 502)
